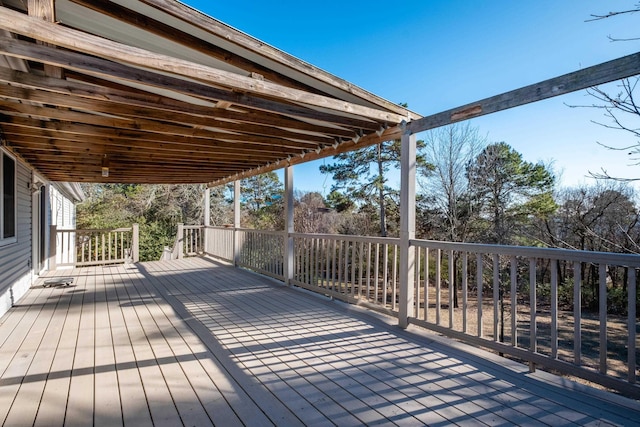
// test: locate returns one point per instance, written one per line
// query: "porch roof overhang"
(161, 93)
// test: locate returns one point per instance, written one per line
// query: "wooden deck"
(196, 343)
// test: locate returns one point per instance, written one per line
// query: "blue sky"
(436, 55)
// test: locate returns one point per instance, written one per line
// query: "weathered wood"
(45, 10)
(343, 147)
(102, 90)
(160, 29)
(141, 119)
(224, 32)
(79, 41)
(53, 129)
(606, 72)
(109, 69)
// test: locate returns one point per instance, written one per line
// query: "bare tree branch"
(611, 14)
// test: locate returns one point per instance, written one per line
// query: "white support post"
(135, 243)
(288, 224)
(207, 219)
(180, 241)
(53, 239)
(407, 226)
(236, 223)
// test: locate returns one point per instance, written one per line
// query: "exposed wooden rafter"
(68, 38)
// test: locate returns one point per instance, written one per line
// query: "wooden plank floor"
(195, 343)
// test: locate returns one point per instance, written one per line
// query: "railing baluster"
(353, 267)
(438, 283)
(360, 268)
(333, 264)
(533, 326)
(577, 313)
(631, 324)
(368, 267)
(554, 310)
(465, 307)
(339, 266)
(418, 282)
(377, 274)
(385, 274)
(452, 285)
(479, 289)
(514, 301)
(496, 295)
(602, 275)
(394, 274)
(426, 284)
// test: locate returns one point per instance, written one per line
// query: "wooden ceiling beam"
(157, 120)
(388, 134)
(45, 10)
(68, 38)
(100, 89)
(112, 70)
(94, 162)
(89, 146)
(107, 145)
(124, 121)
(230, 140)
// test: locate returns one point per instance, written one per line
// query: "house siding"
(15, 258)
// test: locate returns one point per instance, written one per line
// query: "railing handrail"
(349, 237)
(609, 258)
(94, 230)
(82, 247)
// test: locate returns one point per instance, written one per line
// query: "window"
(7, 198)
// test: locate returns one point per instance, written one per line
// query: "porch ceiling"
(161, 93)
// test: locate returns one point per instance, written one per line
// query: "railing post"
(135, 243)
(53, 241)
(288, 224)
(180, 241)
(407, 226)
(207, 220)
(236, 223)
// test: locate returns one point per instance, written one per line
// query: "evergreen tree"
(508, 192)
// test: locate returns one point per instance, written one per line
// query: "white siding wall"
(15, 258)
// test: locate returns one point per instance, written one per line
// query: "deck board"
(195, 342)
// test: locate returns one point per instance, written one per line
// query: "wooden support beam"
(101, 90)
(45, 10)
(240, 142)
(407, 228)
(130, 118)
(289, 225)
(110, 70)
(388, 134)
(606, 72)
(68, 38)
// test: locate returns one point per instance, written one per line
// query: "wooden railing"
(190, 241)
(351, 268)
(77, 248)
(219, 242)
(521, 301)
(527, 302)
(261, 251)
